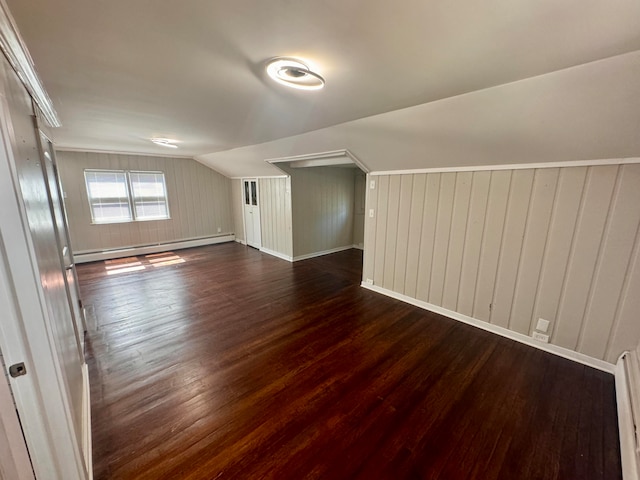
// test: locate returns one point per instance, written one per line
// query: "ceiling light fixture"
(165, 142)
(294, 73)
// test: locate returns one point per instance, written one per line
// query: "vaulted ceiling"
(470, 82)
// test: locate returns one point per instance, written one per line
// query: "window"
(149, 195)
(120, 196)
(108, 196)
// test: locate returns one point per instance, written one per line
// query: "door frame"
(244, 217)
(40, 397)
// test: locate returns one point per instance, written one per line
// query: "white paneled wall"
(237, 201)
(359, 206)
(199, 201)
(511, 246)
(275, 214)
(322, 206)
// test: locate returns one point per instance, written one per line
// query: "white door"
(52, 180)
(252, 213)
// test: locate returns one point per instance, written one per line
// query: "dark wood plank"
(224, 362)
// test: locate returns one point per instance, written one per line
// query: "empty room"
(319, 240)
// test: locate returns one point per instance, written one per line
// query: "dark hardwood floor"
(229, 363)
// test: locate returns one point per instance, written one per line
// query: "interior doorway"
(253, 235)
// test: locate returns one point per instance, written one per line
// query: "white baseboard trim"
(359, 247)
(626, 423)
(504, 332)
(87, 446)
(323, 252)
(84, 257)
(276, 254)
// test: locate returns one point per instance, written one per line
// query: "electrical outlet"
(372, 184)
(542, 325)
(371, 213)
(219, 229)
(369, 281)
(541, 337)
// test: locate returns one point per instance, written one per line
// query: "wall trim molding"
(259, 176)
(87, 445)
(626, 423)
(240, 241)
(20, 59)
(62, 148)
(308, 255)
(518, 166)
(321, 253)
(84, 257)
(518, 337)
(273, 253)
(320, 156)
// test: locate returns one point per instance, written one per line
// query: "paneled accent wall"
(275, 214)
(237, 199)
(199, 202)
(322, 206)
(359, 206)
(511, 246)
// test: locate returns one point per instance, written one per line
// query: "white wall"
(322, 201)
(508, 247)
(275, 215)
(199, 202)
(237, 200)
(359, 206)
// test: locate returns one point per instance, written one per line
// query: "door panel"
(50, 171)
(252, 214)
(42, 225)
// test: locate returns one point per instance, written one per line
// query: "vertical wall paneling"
(612, 267)
(237, 200)
(322, 200)
(624, 333)
(199, 202)
(512, 238)
(370, 227)
(275, 214)
(561, 233)
(359, 205)
(425, 258)
(402, 239)
(443, 233)
(533, 248)
(381, 229)
(418, 190)
(391, 238)
(511, 246)
(457, 236)
(491, 243)
(585, 248)
(473, 241)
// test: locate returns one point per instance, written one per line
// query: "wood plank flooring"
(222, 362)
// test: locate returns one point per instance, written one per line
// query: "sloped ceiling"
(465, 82)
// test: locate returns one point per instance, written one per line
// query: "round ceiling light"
(165, 142)
(294, 73)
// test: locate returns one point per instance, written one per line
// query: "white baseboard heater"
(628, 399)
(83, 257)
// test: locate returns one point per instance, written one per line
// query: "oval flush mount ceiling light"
(294, 73)
(165, 142)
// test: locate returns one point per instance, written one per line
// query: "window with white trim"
(120, 196)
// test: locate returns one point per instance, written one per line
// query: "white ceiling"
(120, 72)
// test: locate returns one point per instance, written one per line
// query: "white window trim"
(130, 196)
